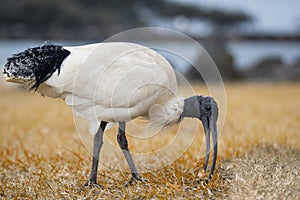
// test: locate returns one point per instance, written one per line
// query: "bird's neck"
(168, 114)
(191, 107)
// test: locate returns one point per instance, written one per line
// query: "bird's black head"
(205, 109)
(35, 65)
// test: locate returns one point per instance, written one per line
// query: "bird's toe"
(92, 184)
(142, 180)
(135, 180)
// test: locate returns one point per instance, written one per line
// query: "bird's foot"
(135, 179)
(92, 183)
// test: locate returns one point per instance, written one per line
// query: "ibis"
(113, 82)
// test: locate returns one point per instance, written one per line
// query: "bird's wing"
(116, 81)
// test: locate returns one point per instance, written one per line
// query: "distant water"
(187, 51)
(248, 53)
(9, 47)
(245, 53)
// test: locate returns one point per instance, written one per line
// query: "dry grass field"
(43, 157)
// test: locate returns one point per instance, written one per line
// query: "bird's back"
(114, 81)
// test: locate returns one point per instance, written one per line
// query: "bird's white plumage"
(117, 82)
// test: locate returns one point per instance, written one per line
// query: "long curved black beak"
(209, 121)
(204, 108)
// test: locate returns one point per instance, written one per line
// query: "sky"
(275, 16)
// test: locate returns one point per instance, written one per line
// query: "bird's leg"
(98, 141)
(124, 146)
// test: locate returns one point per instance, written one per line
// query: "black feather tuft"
(38, 63)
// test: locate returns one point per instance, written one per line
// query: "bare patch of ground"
(264, 172)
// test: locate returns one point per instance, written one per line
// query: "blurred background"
(254, 44)
(248, 40)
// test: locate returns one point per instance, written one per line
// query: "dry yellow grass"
(42, 156)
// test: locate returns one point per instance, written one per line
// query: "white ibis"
(112, 82)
